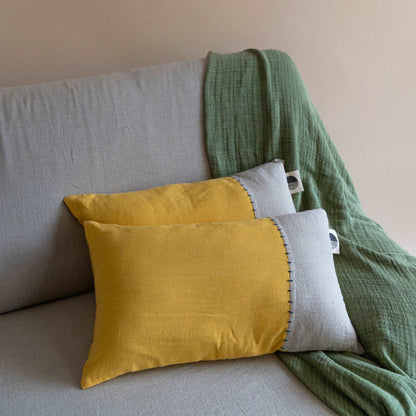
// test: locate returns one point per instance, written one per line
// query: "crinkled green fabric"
(256, 109)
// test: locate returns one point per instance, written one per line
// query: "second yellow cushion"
(184, 293)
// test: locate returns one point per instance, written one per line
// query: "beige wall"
(357, 58)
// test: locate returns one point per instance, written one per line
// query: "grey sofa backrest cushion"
(103, 134)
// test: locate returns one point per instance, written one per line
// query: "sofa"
(103, 134)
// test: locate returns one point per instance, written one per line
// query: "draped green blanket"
(256, 109)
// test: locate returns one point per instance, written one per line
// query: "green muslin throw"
(257, 109)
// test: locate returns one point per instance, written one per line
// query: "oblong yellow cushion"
(222, 199)
(173, 294)
(255, 193)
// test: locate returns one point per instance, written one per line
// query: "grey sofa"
(109, 133)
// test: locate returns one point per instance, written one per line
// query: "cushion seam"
(253, 202)
(289, 280)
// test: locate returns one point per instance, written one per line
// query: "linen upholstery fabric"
(183, 293)
(103, 134)
(257, 108)
(45, 347)
(258, 192)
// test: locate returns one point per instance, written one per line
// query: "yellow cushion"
(173, 294)
(222, 199)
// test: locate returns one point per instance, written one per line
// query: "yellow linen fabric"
(222, 199)
(173, 294)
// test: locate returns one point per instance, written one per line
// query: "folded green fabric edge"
(257, 109)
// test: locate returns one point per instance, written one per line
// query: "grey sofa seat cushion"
(110, 133)
(43, 349)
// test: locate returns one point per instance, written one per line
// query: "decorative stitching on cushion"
(290, 280)
(251, 197)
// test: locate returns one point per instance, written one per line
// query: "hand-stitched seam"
(254, 205)
(289, 280)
